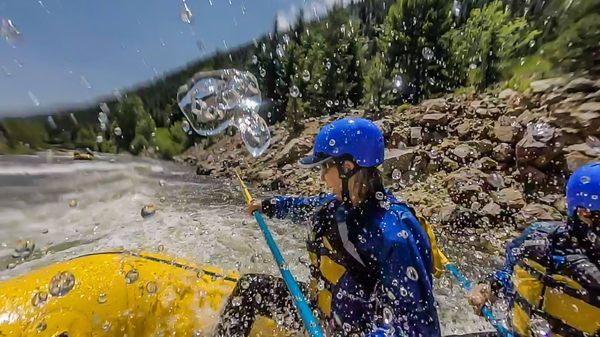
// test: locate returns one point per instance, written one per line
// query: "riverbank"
(487, 164)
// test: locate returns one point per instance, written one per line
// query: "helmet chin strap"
(345, 175)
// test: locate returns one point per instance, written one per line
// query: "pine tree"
(411, 43)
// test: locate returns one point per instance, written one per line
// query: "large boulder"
(464, 186)
(541, 144)
(292, 151)
(464, 153)
(580, 84)
(507, 93)
(434, 119)
(507, 133)
(509, 198)
(547, 85)
(503, 152)
(396, 159)
(581, 154)
(537, 212)
(435, 104)
(416, 135)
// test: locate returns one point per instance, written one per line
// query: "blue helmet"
(356, 138)
(583, 189)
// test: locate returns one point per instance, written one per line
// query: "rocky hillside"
(468, 162)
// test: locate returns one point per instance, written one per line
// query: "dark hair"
(367, 182)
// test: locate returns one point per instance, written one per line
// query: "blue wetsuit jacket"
(387, 233)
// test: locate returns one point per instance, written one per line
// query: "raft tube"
(119, 294)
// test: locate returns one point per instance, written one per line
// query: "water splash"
(8, 31)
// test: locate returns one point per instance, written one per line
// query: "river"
(69, 208)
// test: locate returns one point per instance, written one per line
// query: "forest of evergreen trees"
(368, 54)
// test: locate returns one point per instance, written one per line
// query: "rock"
(292, 151)
(449, 165)
(593, 96)
(539, 212)
(464, 185)
(507, 93)
(148, 210)
(575, 159)
(580, 85)
(396, 159)
(486, 164)
(492, 209)
(495, 180)
(464, 153)
(552, 98)
(540, 145)
(436, 104)
(435, 119)
(266, 174)
(547, 85)
(532, 176)
(23, 249)
(590, 122)
(589, 107)
(203, 170)
(503, 152)
(485, 147)
(506, 133)
(416, 135)
(464, 129)
(510, 198)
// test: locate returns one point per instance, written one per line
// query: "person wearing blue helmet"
(371, 261)
(551, 276)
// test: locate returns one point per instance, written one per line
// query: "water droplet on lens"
(102, 298)
(118, 132)
(244, 284)
(106, 326)
(585, 180)
(294, 91)
(132, 276)
(151, 287)
(39, 298)
(8, 31)
(427, 53)
(185, 125)
(398, 82)
(41, 327)
(186, 14)
(412, 274)
(332, 142)
(61, 283)
(306, 75)
(236, 301)
(99, 139)
(329, 103)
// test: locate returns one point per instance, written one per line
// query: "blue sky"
(73, 51)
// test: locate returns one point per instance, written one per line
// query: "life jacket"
(548, 298)
(332, 255)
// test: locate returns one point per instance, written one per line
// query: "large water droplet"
(427, 53)
(294, 91)
(186, 14)
(8, 31)
(132, 276)
(255, 134)
(306, 75)
(151, 287)
(39, 298)
(61, 283)
(412, 274)
(118, 132)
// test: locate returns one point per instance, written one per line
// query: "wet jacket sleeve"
(404, 295)
(296, 208)
(501, 280)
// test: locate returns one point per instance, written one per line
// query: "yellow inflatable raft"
(119, 294)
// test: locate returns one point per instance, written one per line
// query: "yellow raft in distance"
(119, 294)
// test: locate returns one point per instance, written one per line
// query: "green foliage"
(576, 47)
(177, 134)
(375, 82)
(86, 137)
(487, 43)
(138, 144)
(107, 146)
(412, 29)
(23, 133)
